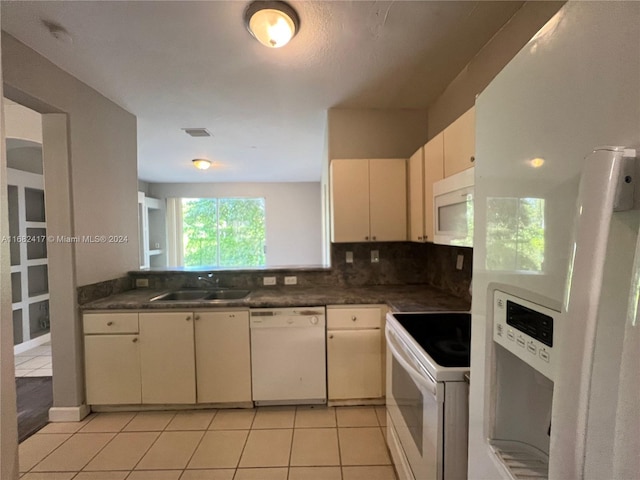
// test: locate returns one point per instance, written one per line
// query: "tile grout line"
(159, 432)
(204, 433)
(244, 446)
(335, 412)
(293, 435)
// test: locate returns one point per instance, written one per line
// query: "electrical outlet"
(268, 280)
(349, 258)
(290, 280)
(375, 256)
(142, 282)
(459, 262)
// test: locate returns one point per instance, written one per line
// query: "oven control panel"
(526, 329)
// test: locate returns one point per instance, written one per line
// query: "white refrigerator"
(555, 352)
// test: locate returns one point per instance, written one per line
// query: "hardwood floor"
(35, 397)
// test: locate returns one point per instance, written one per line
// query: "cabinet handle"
(366, 238)
(472, 158)
(373, 238)
(188, 318)
(232, 316)
(419, 238)
(196, 317)
(330, 336)
(109, 323)
(354, 318)
(135, 340)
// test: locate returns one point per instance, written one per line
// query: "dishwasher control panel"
(283, 317)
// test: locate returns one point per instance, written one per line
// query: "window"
(515, 234)
(223, 232)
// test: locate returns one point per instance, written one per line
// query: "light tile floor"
(35, 362)
(267, 443)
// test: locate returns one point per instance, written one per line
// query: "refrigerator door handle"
(604, 187)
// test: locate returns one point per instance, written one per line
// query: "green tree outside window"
(224, 232)
(515, 234)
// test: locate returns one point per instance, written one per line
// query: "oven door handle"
(421, 378)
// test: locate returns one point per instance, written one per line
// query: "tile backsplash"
(398, 263)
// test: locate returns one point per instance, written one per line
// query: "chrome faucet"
(210, 280)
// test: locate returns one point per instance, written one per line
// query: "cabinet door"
(223, 357)
(350, 200)
(388, 199)
(416, 196)
(433, 171)
(112, 369)
(460, 143)
(354, 364)
(167, 357)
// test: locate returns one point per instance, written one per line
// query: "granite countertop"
(401, 298)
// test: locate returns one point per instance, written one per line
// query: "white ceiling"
(193, 64)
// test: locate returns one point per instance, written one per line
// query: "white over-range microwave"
(453, 209)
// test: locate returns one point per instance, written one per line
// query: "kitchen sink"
(223, 294)
(201, 295)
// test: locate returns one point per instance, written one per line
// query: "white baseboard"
(68, 414)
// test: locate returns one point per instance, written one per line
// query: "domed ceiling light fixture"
(273, 24)
(201, 163)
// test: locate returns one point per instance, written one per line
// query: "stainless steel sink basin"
(227, 294)
(201, 295)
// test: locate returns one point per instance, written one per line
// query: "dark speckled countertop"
(402, 298)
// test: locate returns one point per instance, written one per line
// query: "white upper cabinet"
(369, 200)
(433, 171)
(416, 196)
(425, 168)
(460, 143)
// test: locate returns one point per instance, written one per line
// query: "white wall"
(375, 133)
(460, 94)
(8, 422)
(92, 164)
(293, 215)
(103, 152)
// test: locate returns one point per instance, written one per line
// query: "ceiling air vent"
(197, 132)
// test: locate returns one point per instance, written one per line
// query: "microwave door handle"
(422, 379)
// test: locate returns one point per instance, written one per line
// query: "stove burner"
(452, 347)
(445, 337)
(447, 352)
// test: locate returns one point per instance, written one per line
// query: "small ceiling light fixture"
(201, 163)
(536, 162)
(272, 23)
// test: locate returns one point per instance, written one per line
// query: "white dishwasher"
(288, 355)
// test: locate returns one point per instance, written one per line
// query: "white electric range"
(427, 394)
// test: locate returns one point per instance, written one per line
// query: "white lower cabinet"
(112, 359)
(167, 355)
(112, 368)
(223, 357)
(354, 352)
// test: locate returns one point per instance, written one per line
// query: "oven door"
(416, 410)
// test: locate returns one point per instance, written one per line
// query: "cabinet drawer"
(125, 322)
(353, 318)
